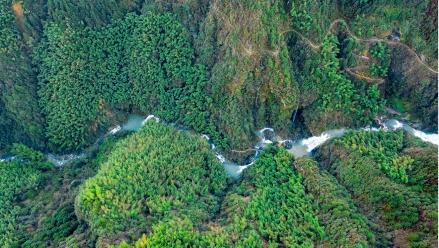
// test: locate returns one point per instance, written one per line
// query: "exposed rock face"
(395, 35)
(269, 135)
(416, 83)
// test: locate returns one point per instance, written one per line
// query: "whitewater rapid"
(306, 146)
(298, 148)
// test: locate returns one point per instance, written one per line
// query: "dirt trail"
(366, 78)
(367, 40)
(244, 151)
(17, 10)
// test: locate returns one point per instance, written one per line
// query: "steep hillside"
(278, 123)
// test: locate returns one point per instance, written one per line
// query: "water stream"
(133, 124)
(304, 147)
(298, 148)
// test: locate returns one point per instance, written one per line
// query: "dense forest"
(71, 72)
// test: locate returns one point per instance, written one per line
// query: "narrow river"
(304, 147)
(298, 148)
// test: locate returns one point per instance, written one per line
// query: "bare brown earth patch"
(18, 11)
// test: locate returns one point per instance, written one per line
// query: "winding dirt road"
(366, 40)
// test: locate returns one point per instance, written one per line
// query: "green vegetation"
(71, 70)
(312, 18)
(339, 93)
(302, 18)
(19, 110)
(354, 161)
(143, 182)
(399, 104)
(42, 213)
(414, 19)
(215, 77)
(65, 74)
(160, 77)
(251, 82)
(260, 89)
(339, 90)
(172, 233)
(380, 52)
(399, 205)
(93, 13)
(337, 99)
(19, 180)
(424, 163)
(55, 228)
(344, 225)
(16, 178)
(347, 46)
(270, 206)
(383, 147)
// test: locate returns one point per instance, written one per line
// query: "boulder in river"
(287, 144)
(269, 134)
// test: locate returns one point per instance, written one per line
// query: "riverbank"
(299, 148)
